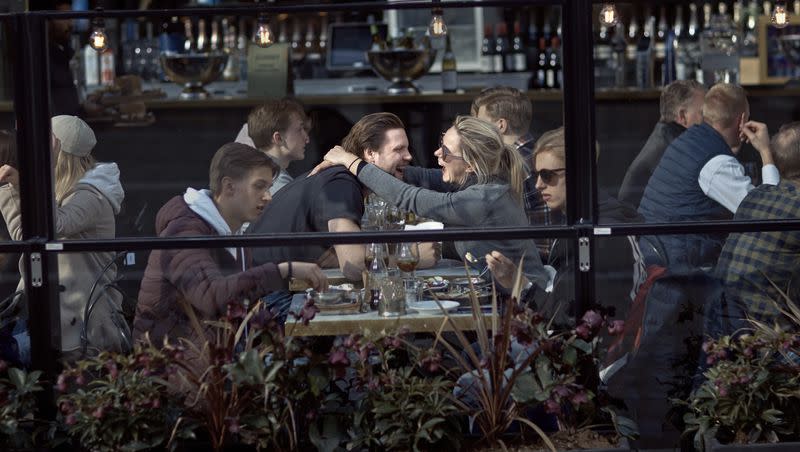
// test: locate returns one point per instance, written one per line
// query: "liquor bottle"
(518, 50)
(692, 45)
(297, 53)
(554, 76)
(796, 6)
(214, 42)
(377, 274)
(632, 42)
(282, 35)
(201, 35)
(541, 65)
(681, 60)
(231, 72)
(503, 62)
(378, 43)
(619, 62)
(707, 9)
(107, 72)
(487, 51)
(241, 47)
(644, 56)
(603, 74)
(738, 8)
(533, 51)
(767, 7)
(659, 49)
(188, 36)
(669, 71)
(722, 9)
(323, 36)
(449, 72)
(312, 45)
(91, 66)
(750, 39)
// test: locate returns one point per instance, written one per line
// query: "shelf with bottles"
(656, 43)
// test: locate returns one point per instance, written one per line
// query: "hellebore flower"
(593, 319)
(616, 327)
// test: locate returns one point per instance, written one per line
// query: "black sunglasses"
(446, 152)
(549, 176)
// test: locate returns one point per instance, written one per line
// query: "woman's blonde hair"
(551, 141)
(69, 170)
(482, 147)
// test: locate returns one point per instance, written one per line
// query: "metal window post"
(579, 111)
(31, 104)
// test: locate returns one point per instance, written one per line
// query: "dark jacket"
(613, 260)
(674, 195)
(205, 278)
(645, 163)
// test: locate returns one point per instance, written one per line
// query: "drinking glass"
(407, 257)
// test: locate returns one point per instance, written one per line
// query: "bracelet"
(289, 271)
(351, 163)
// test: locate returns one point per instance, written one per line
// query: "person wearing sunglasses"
(479, 185)
(613, 257)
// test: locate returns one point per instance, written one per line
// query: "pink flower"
(339, 358)
(70, 419)
(61, 383)
(561, 391)
(580, 398)
(308, 312)
(80, 380)
(616, 327)
(708, 346)
(723, 391)
(236, 310)
(552, 407)
(583, 331)
(99, 412)
(593, 319)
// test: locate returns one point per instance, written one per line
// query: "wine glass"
(374, 250)
(407, 257)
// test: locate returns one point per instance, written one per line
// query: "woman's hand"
(9, 174)
(336, 156)
(503, 269)
(308, 272)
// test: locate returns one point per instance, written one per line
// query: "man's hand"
(307, 272)
(756, 133)
(9, 174)
(429, 254)
(503, 269)
(336, 156)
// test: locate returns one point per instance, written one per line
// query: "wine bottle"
(449, 73)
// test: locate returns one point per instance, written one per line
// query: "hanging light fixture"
(437, 28)
(98, 40)
(609, 16)
(779, 17)
(263, 36)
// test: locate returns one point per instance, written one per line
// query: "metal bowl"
(193, 71)
(401, 67)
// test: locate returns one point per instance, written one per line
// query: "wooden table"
(414, 322)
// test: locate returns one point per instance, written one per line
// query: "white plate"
(430, 306)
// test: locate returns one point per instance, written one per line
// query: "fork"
(472, 260)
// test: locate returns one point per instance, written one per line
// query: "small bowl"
(193, 71)
(401, 67)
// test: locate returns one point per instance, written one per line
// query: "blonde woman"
(479, 185)
(88, 196)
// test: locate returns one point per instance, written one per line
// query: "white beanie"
(75, 135)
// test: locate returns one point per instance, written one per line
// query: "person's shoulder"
(771, 201)
(176, 218)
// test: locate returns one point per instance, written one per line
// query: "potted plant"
(118, 402)
(18, 423)
(520, 365)
(750, 399)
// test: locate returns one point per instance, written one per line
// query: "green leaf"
(526, 389)
(543, 372)
(582, 345)
(17, 377)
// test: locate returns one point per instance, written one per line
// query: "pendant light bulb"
(98, 39)
(437, 28)
(779, 17)
(609, 16)
(263, 37)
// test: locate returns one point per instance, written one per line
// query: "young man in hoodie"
(179, 284)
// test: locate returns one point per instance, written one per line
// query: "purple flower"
(723, 391)
(616, 327)
(522, 332)
(236, 310)
(552, 407)
(432, 362)
(708, 346)
(61, 383)
(70, 419)
(308, 312)
(561, 391)
(99, 412)
(593, 319)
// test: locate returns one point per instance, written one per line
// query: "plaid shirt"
(538, 212)
(749, 261)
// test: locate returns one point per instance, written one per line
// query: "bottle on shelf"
(501, 54)
(188, 36)
(533, 51)
(750, 33)
(520, 59)
(282, 35)
(201, 35)
(323, 36)
(631, 45)
(297, 53)
(241, 47)
(542, 64)
(707, 10)
(554, 75)
(107, 71)
(619, 60)
(487, 51)
(603, 73)
(91, 66)
(231, 72)
(659, 48)
(214, 41)
(449, 72)
(311, 45)
(378, 43)
(644, 56)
